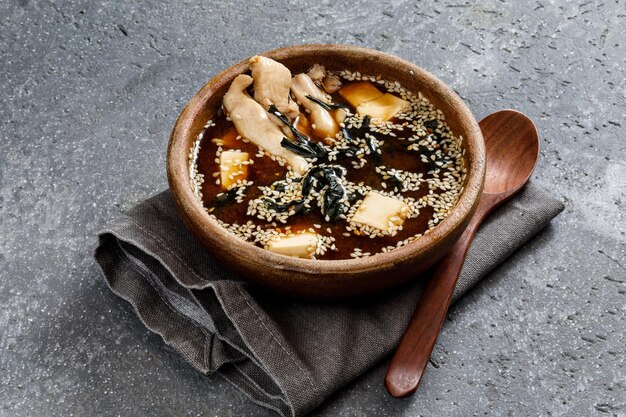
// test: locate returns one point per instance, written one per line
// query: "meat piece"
(325, 125)
(317, 73)
(331, 83)
(252, 122)
(320, 77)
(272, 81)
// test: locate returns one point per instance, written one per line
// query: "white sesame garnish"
(274, 208)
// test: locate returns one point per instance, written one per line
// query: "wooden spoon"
(512, 151)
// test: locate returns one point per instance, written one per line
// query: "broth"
(419, 164)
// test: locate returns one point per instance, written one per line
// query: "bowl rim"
(207, 227)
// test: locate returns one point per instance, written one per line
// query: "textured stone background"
(90, 90)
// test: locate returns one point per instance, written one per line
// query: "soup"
(326, 164)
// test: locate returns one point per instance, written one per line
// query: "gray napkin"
(287, 355)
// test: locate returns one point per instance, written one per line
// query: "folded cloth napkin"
(285, 354)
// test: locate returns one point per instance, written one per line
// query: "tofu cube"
(384, 107)
(233, 168)
(381, 212)
(359, 92)
(300, 245)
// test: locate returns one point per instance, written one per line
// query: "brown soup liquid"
(265, 171)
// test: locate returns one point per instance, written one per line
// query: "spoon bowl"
(512, 149)
(509, 162)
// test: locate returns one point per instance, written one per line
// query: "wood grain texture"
(512, 153)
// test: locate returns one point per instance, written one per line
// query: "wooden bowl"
(324, 279)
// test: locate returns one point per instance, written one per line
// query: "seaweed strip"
(327, 106)
(327, 176)
(302, 145)
(299, 148)
(226, 197)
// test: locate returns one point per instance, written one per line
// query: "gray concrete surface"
(90, 90)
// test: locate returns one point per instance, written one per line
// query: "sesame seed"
(439, 185)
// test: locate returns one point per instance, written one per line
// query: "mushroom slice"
(252, 122)
(331, 83)
(272, 81)
(317, 73)
(301, 87)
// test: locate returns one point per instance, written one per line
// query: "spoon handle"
(409, 362)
